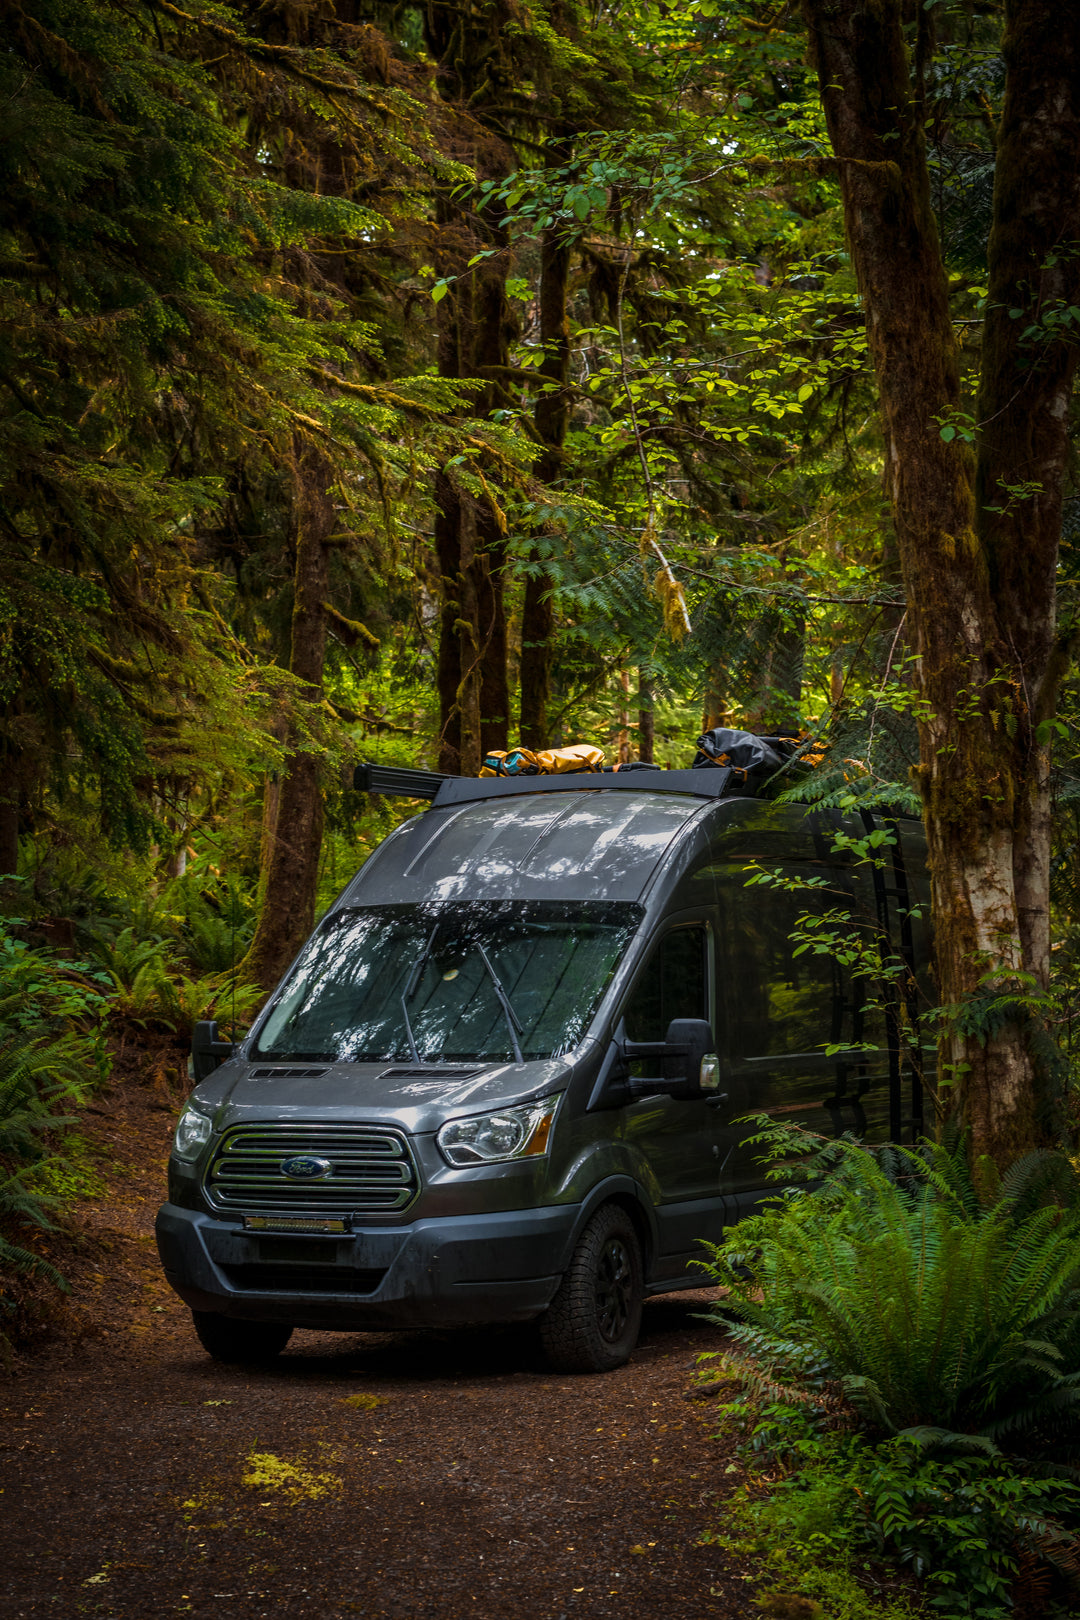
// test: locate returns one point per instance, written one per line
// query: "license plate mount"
(308, 1225)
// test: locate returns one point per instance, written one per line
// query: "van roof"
(584, 844)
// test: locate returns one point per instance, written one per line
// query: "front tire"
(228, 1339)
(592, 1324)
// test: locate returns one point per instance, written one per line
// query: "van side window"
(778, 1001)
(674, 984)
(774, 999)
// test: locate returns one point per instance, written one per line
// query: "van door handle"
(715, 1101)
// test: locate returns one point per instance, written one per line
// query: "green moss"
(72, 1173)
(293, 1480)
(795, 1542)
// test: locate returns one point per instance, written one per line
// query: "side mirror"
(207, 1052)
(700, 1068)
(682, 1061)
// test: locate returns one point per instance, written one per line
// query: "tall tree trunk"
(475, 327)
(474, 342)
(290, 877)
(1025, 386)
(494, 329)
(448, 551)
(623, 737)
(979, 583)
(714, 702)
(468, 637)
(551, 419)
(10, 793)
(646, 719)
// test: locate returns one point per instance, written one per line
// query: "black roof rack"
(704, 782)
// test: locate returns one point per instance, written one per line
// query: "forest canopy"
(403, 382)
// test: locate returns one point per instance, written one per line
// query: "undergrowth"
(144, 967)
(842, 1517)
(908, 1346)
(52, 1055)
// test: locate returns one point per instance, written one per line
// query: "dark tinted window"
(553, 960)
(781, 995)
(674, 984)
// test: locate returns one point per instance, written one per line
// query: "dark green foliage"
(939, 1303)
(167, 332)
(51, 1054)
(973, 1528)
(38, 1082)
(908, 1346)
(218, 922)
(981, 1538)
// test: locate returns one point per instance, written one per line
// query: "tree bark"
(448, 551)
(551, 418)
(290, 876)
(623, 734)
(474, 342)
(646, 719)
(9, 818)
(1025, 386)
(979, 583)
(475, 328)
(714, 703)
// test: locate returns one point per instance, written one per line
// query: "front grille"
(372, 1171)
(297, 1280)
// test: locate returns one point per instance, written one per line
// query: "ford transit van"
(505, 1076)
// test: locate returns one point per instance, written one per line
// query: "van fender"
(632, 1195)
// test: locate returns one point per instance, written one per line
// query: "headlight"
(192, 1133)
(511, 1133)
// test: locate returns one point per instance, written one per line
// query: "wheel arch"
(629, 1195)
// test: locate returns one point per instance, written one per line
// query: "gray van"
(504, 1077)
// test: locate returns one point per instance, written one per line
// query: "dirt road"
(405, 1475)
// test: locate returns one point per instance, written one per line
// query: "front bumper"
(497, 1267)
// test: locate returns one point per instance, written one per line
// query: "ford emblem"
(305, 1167)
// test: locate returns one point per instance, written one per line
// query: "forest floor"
(414, 1475)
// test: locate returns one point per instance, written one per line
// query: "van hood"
(417, 1098)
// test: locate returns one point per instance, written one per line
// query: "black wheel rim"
(614, 1290)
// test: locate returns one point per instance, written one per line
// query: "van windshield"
(552, 959)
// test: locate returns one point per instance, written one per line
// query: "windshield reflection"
(344, 1001)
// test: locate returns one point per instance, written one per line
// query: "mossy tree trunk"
(646, 719)
(10, 798)
(474, 698)
(977, 532)
(293, 844)
(475, 329)
(551, 418)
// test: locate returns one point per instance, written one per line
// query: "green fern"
(938, 1302)
(180, 1002)
(37, 1080)
(124, 957)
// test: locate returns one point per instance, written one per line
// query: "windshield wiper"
(410, 990)
(513, 1022)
